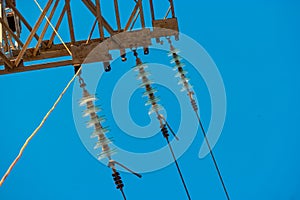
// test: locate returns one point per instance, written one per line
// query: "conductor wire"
(12, 165)
(166, 135)
(38, 128)
(178, 169)
(100, 132)
(155, 107)
(188, 88)
(49, 22)
(213, 157)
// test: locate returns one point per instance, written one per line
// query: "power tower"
(16, 53)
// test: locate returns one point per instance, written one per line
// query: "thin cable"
(169, 127)
(123, 194)
(212, 156)
(112, 162)
(187, 87)
(48, 113)
(155, 108)
(92, 31)
(166, 135)
(178, 169)
(169, 9)
(60, 38)
(37, 129)
(118, 180)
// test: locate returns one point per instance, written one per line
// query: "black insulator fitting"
(135, 53)
(164, 131)
(174, 55)
(144, 78)
(123, 57)
(118, 180)
(151, 96)
(81, 82)
(180, 69)
(76, 68)
(148, 87)
(169, 40)
(194, 104)
(146, 51)
(107, 67)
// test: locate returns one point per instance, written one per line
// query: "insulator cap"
(106, 154)
(107, 67)
(118, 180)
(145, 83)
(140, 66)
(164, 131)
(86, 99)
(174, 51)
(143, 74)
(154, 100)
(101, 142)
(95, 121)
(146, 51)
(183, 81)
(178, 66)
(100, 131)
(150, 91)
(91, 110)
(181, 74)
(194, 104)
(154, 109)
(176, 59)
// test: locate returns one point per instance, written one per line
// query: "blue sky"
(255, 45)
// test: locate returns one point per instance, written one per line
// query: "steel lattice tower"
(15, 53)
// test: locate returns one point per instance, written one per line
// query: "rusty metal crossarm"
(70, 21)
(45, 28)
(99, 18)
(152, 10)
(35, 28)
(141, 13)
(61, 16)
(130, 39)
(6, 61)
(37, 67)
(56, 50)
(92, 7)
(133, 13)
(6, 46)
(45, 49)
(117, 13)
(172, 8)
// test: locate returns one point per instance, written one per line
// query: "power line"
(187, 87)
(38, 128)
(164, 130)
(155, 108)
(213, 157)
(48, 113)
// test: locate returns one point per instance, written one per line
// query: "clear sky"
(255, 45)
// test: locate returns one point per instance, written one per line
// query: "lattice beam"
(15, 59)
